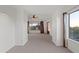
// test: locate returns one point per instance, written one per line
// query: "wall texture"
(73, 45)
(57, 28)
(54, 29)
(21, 27)
(7, 27)
(13, 27)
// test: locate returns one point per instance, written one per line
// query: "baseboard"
(25, 42)
(22, 44)
(56, 44)
(7, 49)
(53, 42)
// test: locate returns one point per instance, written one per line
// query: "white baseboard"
(7, 49)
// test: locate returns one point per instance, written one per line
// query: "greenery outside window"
(74, 26)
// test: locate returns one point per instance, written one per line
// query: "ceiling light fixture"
(34, 16)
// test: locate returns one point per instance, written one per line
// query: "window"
(74, 26)
(34, 26)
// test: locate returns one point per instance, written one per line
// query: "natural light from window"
(74, 26)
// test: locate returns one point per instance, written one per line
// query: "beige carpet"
(39, 43)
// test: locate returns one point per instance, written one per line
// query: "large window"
(74, 26)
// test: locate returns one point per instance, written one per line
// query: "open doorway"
(34, 27)
(48, 28)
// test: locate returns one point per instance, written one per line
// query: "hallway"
(39, 43)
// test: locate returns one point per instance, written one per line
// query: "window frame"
(69, 23)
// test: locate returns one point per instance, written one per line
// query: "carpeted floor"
(39, 43)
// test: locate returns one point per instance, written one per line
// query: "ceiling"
(45, 11)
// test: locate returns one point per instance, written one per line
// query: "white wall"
(50, 26)
(50, 22)
(25, 30)
(7, 27)
(57, 28)
(21, 27)
(45, 27)
(54, 29)
(73, 45)
(13, 27)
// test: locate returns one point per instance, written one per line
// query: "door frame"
(64, 32)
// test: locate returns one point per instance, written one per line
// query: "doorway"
(33, 27)
(48, 28)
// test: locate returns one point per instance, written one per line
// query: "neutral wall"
(21, 27)
(73, 45)
(57, 28)
(50, 26)
(50, 22)
(54, 29)
(13, 27)
(25, 30)
(7, 27)
(45, 27)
